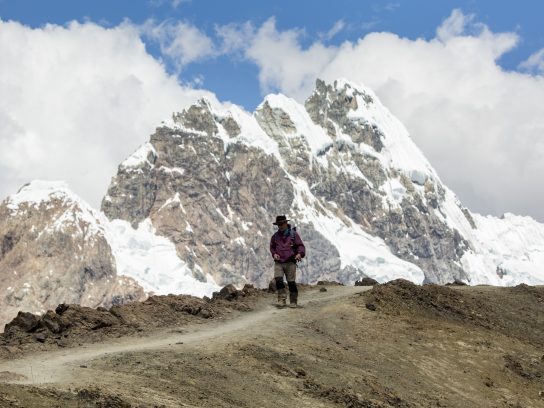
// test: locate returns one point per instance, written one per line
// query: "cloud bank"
(480, 126)
(77, 100)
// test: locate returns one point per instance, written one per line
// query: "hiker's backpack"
(293, 233)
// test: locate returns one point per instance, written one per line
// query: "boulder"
(366, 281)
(371, 307)
(24, 321)
(52, 322)
(229, 292)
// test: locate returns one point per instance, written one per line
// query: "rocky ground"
(394, 345)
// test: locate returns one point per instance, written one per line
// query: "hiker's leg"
(291, 274)
(293, 292)
(278, 276)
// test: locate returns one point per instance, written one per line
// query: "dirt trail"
(70, 366)
(398, 345)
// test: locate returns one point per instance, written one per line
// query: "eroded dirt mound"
(27, 396)
(402, 295)
(516, 311)
(75, 324)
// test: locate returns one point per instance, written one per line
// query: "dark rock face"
(8, 242)
(328, 106)
(139, 186)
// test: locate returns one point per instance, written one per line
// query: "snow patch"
(140, 157)
(37, 192)
(172, 170)
(507, 251)
(153, 262)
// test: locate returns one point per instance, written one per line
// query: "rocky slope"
(53, 249)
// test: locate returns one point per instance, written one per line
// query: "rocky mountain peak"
(37, 193)
(56, 208)
(54, 249)
(340, 164)
(198, 118)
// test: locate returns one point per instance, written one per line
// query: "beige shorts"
(289, 269)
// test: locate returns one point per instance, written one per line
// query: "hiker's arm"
(301, 249)
(273, 247)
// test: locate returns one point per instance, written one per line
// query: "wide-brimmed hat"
(280, 219)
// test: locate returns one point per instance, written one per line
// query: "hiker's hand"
(276, 257)
(298, 257)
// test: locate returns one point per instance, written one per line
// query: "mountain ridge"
(201, 193)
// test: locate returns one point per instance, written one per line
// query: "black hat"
(280, 219)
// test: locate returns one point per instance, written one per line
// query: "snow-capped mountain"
(343, 167)
(192, 208)
(53, 249)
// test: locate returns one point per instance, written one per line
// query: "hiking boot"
(293, 298)
(293, 305)
(282, 302)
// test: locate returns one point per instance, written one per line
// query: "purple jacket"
(287, 247)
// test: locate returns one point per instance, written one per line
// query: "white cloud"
(335, 29)
(391, 6)
(176, 3)
(76, 101)
(283, 63)
(481, 127)
(234, 37)
(182, 42)
(454, 25)
(535, 63)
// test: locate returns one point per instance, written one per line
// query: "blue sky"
(465, 77)
(236, 80)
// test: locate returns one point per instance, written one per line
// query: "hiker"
(287, 249)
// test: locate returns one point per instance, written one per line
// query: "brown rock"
(24, 321)
(52, 322)
(205, 313)
(371, 307)
(300, 372)
(366, 281)
(229, 292)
